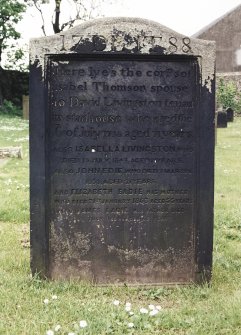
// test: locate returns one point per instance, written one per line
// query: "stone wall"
(230, 76)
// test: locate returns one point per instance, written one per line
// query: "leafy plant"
(17, 58)
(10, 109)
(10, 14)
(228, 95)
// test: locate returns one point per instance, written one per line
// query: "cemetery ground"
(30, 306)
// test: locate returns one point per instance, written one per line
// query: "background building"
(226, 31)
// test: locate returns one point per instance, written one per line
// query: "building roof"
(212, 24)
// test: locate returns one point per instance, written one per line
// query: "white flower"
(116, 302)
(83, 324)
(127, 308)
(143, 310)
(54, 297)
(154, 312)
(46, 301)
(128, 304)
(158, 308)
(49, 332)
(131, 313)
(151, 307)
(130, 325)
(71, 333)
(57, 328)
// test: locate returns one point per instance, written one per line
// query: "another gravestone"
(222, 121)
(25, 106)
(122, 154)
(230, 114)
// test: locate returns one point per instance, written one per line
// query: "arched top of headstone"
(123, 35)
(135, 23)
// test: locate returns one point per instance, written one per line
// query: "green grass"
(14, 175)
(194, 310)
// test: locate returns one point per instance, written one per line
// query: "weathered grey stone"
(14, 152)
(124, 35)
(122, 152)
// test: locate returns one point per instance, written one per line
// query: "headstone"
(230, 114)
(25, 107)
(122, 154)
(222, 119)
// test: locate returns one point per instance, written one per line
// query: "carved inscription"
(120, 42)
(123, 149)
